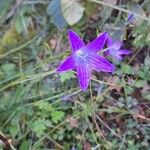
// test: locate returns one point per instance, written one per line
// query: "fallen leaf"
(53, 43)
(54, 10)
(72, 11)
(72, 121)
(86, 145)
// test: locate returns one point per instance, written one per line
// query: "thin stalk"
(18, 48)
(28, 78)
(54, 97)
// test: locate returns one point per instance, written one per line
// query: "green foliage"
(140, 83)
(14, 129)
(127, 69)
(57, 116)
(22, 23)
(44, 106)
(147, 96)
(66, 76)
(8, 70)
(142, 36)
(41, 109)
(39, 126)
(144, 72)
(24, 145)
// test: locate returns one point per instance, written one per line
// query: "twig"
(112, 131)
(58, 43)
(103, 82)
(134, 56)
(142, 117)
(56, 143)
(98, 129)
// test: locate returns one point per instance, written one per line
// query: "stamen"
(81, 53)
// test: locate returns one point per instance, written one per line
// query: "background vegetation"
(41, 109)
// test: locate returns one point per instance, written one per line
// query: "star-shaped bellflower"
(114, 49)
(84, 58)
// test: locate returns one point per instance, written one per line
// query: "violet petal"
(116, 45)
(97, 44)
(67, 64)
(118, 57)
(75, 41)
(83, 73)
(99, 63)
(123, 52)
(118, 54)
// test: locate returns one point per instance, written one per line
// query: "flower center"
(81, 53)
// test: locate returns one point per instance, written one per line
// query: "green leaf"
(14, 130)
(141, 35)
(140, 83)
(66, 76)
(129, 89)
(22, 23)
(147, 96)
(44, 106)
(72, 11)
(39, 126)
(127, 69)
(9, 69)
(24, 145)
(57, 116)
(19, 25)
(141, 74)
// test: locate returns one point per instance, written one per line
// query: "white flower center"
(81, 53)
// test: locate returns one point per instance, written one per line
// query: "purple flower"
(84, 58)
(114, 49)
(130, 17)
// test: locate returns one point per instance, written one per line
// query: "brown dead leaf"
(113, 80)
(86, 145)
(72, 121)
(53, 43)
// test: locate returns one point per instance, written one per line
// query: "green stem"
(28, 78)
